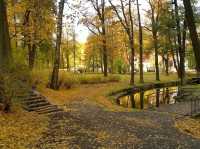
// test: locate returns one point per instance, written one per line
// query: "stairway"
(34, 101)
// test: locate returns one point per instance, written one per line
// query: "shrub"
(11, 79)
(39, 77)
(68, 80)
(114, 78)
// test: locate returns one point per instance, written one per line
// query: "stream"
(149, 98)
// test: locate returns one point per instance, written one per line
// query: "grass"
(19, 129)
(69, 80)
(90, 86)
(94, 87)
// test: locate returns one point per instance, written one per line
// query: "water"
(150, 98)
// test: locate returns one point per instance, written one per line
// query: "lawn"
(94, 87)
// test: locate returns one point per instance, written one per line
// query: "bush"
(68, 80)
(11, 79)
(39, 78)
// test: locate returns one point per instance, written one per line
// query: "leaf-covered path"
(86, 125)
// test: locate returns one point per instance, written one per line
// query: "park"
(99, 74)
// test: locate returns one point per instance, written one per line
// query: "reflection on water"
(150, 98)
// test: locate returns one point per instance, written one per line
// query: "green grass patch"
(68, 80)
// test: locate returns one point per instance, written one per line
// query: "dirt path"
(85, 125)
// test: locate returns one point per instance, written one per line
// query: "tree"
(31, 25)
(74, 48)
(155, 8)
(167, 32)
(55, 74)
(5, 57)
(99, 28)
(5, 47)
(190, 20)
(180, 46)
(127, 21)
(140, 44)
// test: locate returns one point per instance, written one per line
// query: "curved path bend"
(86, 125)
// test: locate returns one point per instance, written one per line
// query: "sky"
(82, 31)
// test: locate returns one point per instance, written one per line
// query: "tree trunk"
(55, 74)
(101, 62)
(167, 65)
(177, 59)
(15, 23)
(183, 50)
(193, 32)
(155, 40)
(5, 47)
(140, 44)
(132, 81)
(180, 50)
(105, 58)
(68, 63)
(31, 55)
(74, 50)
(132, 99)
(174, 61)
(93, 63)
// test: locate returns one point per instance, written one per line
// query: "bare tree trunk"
(174, 60)
(31, 55)
(15, 23)
(5, 47)
(132, 81)
(74, 49)
(155, 41)
(155, 23)
(68, 64)
(167, 65)
(101, 61)
(63, 60)
(67, 54)
(93, 63)
(180, 50)
(55, 74)
(105, 57)
(141, 44)
(177, 58)
(183, 50)
(193, 32)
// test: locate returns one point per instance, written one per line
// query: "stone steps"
(40, 108)
(33, 101)
(50, 111)
(40, 104)
(29, 102)
(45, 108)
